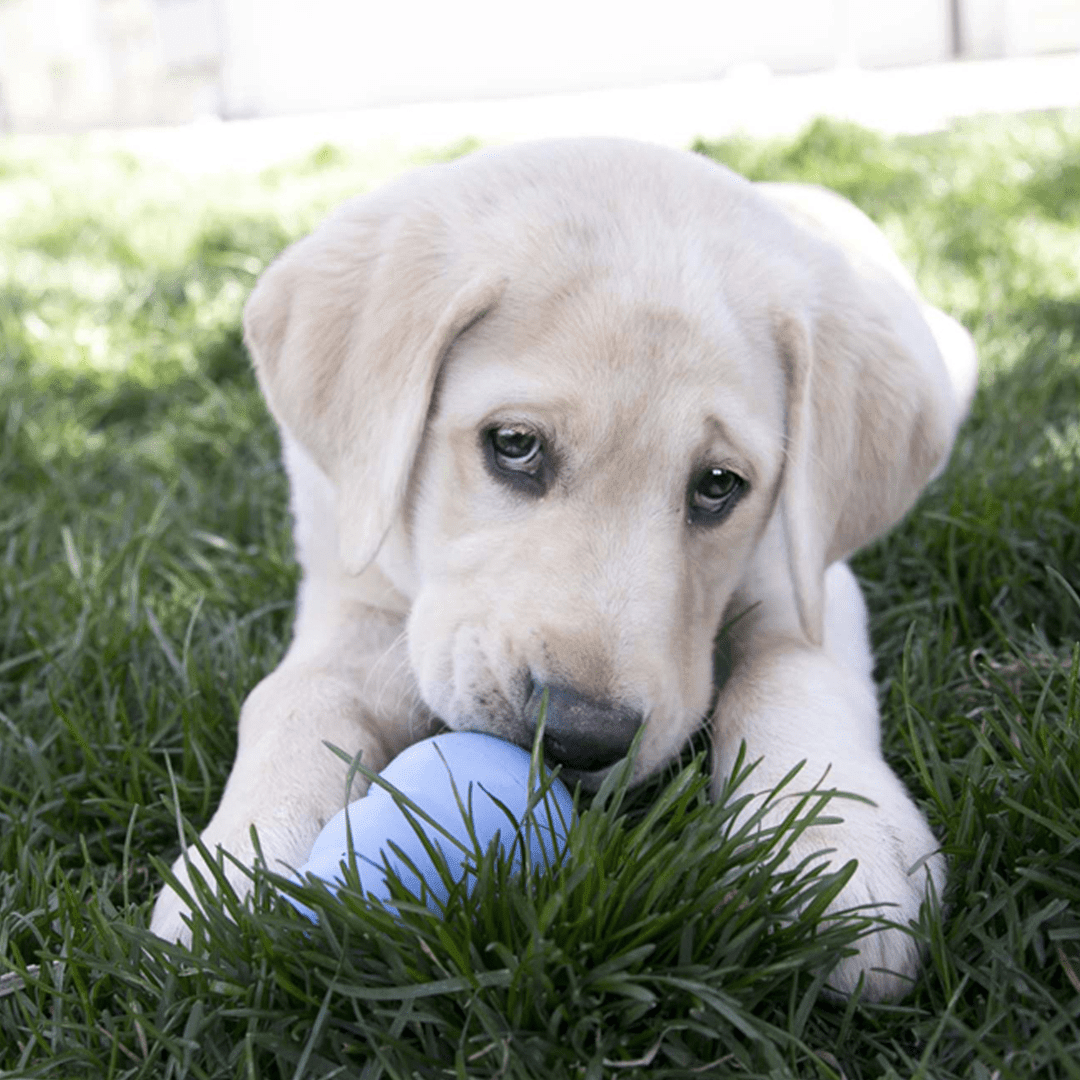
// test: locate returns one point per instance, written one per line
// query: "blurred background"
(71, 65)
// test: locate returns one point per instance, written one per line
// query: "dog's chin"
(589, 780)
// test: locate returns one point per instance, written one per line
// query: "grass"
(146, 577)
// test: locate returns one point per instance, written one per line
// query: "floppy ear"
(872, 410)
(347, 330)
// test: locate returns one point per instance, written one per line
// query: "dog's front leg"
(793, 703)
(285, 781)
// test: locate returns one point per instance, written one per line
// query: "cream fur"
(648, 312)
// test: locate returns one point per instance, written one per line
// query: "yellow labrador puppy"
(554, 415)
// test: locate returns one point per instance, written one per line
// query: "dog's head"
(584, 403)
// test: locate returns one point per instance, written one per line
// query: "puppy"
(553, 416)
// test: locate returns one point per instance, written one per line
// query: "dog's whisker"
(391, 651)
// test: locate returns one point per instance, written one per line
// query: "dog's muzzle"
(581, 733)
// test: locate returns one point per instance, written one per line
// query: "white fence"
(71, 64)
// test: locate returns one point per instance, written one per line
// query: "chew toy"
(486, 772)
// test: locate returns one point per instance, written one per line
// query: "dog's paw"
(898, 863)
(173, 908)
(168, 920)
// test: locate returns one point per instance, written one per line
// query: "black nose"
(580, 732)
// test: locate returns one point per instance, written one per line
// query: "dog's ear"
(873, 406)
(347, 330)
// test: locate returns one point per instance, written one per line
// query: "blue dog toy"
(486, 772)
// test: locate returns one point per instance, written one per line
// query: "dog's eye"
(517, 455)
(713, 493)
(515, 448)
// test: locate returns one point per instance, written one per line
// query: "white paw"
(897, 862)
(167, 920)
(172, 910)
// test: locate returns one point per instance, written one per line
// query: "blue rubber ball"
(486, 772)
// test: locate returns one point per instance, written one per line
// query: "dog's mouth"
(590, 780)
(584, 737)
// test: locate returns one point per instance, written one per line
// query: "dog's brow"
(717, 431)
(497, 388)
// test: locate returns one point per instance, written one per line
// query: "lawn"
(146, 578)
